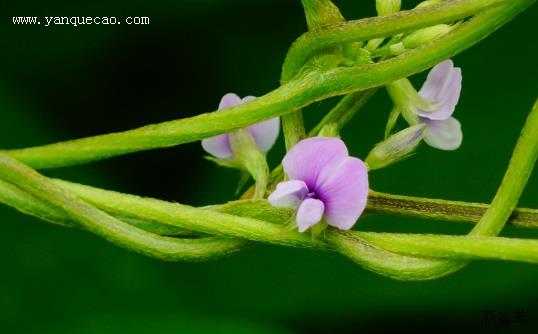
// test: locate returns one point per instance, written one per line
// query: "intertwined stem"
(291, 96)
(145, 225)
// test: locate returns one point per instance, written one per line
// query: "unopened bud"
(419, 37)
(329, 130)
(428, 3)
(386, 7)
(396, 147)
(320, 13)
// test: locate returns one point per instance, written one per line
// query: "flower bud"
(354, 54)
(386, 7)
(329, 130)
(419, 37)
(428, 3)
(396, 147)
(320, 13)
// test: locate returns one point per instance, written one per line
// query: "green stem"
(440, 209)
(514, 181)
(291, 96)
(319, 13)
(365, 248)
(108, 227)
(311, 43)
(257, 212)
(59, 195)
(24, 202)
(457, 247)
(293, 128)
(516, 177)
(378, 203)
(344, 111)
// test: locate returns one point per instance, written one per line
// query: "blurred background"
(65, 82)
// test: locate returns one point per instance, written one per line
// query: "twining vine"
(334, 58)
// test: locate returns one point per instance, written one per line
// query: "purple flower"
(324, 182)
(442, 91)
(264, 133)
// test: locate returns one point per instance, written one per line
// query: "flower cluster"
(325, 184)
(433, 105)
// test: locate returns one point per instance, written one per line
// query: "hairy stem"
(440, 209)
(108, 227)
(294, 95)
(311, 43)
(514, 181)
(253, 220)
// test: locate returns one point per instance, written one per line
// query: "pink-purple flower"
(264, 133)
(324, 183)
(442, 91)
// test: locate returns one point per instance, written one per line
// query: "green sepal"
(319, 228)
(228, 163)
(329, 130)
(320, 13)
(392, 120)
(243, 179)
(395, 148)
(250, 158)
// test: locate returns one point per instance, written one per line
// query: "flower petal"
(229, 100)
(444, 135)
(309, 213)
(288, 194)
(265, 133)
(448, 97)
(309, 157)
(436, 80)
(218, 146)
(344, 192)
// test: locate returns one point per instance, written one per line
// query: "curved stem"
(366, 248)
(318, 13)
(514, 181)
(313, 42)
(361, 245)
(24, 202)
(457, 247)
(291, 96)
(110, 228)
(516, 177)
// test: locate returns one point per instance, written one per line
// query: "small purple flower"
(442, 90)
(264, 133)
(324, 182)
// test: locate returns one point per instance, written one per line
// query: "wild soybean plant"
(319, 192)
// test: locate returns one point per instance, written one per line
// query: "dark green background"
(65, 82)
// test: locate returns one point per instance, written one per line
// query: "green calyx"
(395, 148)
